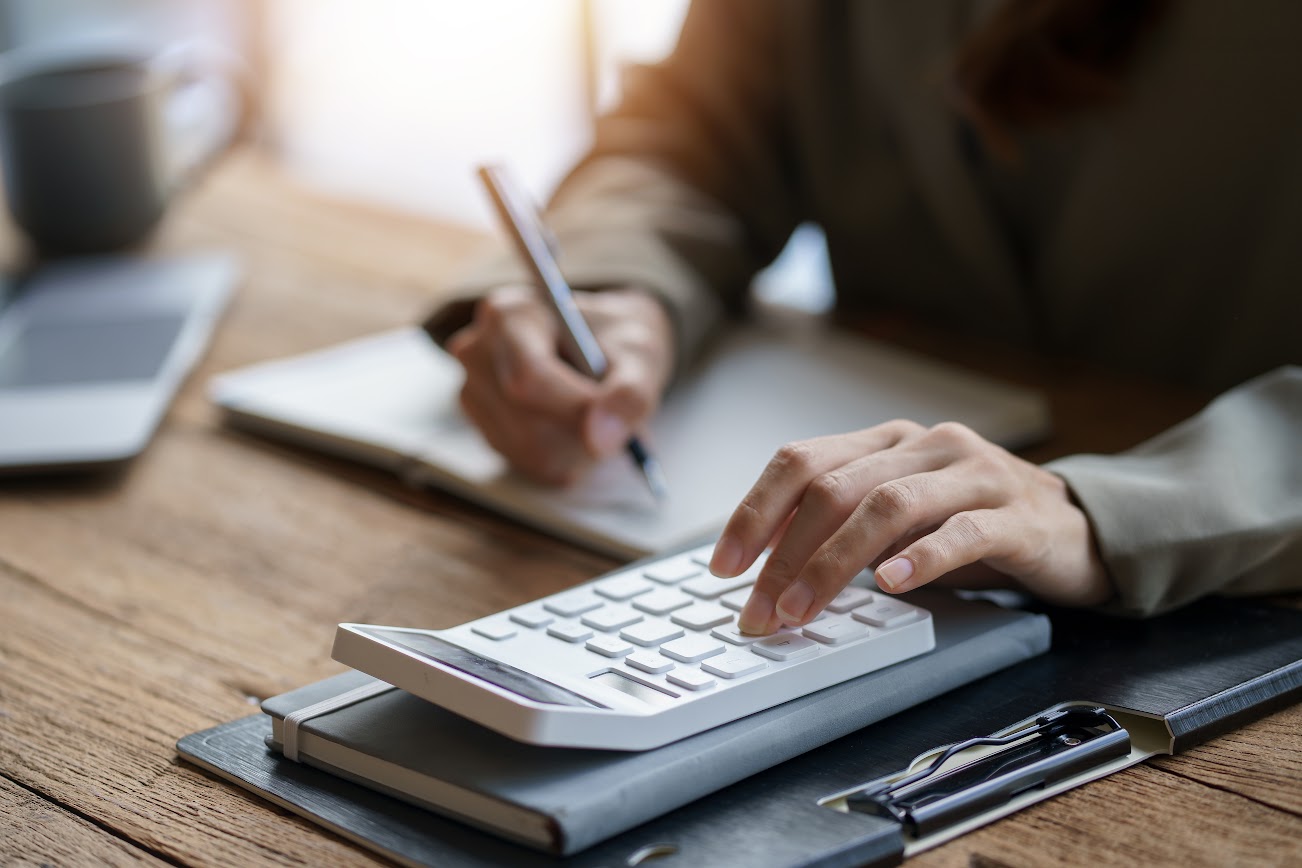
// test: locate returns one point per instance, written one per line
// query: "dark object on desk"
(1201, 671)
(1062, 744)
(95, 144)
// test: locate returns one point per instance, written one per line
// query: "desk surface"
(138, 607)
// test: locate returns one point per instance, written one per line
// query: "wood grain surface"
(141, 605)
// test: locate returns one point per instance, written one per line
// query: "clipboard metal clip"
(1058, 745)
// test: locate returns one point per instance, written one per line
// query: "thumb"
(605, 430)
(620, 408)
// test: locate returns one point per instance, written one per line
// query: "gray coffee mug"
(95, 146)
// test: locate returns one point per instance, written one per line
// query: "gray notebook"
(561, 800)
(391, 400)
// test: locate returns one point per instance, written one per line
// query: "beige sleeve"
(687, 190)
(1212, 505)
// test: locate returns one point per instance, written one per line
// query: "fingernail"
(726, 560)
(895, 572)
(607, 432)
(756, 614)
(794, 603)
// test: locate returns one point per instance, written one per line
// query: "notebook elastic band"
(293, 720)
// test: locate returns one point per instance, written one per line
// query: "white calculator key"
(835, 631)
(850, 598)
(734, 665)
(784, 646)
(573, 603)
(674, 571)
(702, 616)
(735, 599)
(662, 601)
(885, 613)
(569, 631)
(532, 617)
(711, 586)
(691, 649)
(609, 618)
(610, 646)
(692, 679)
(622, 587)
(649, 661)
(650, 633)
(730, 634)
(495, 630)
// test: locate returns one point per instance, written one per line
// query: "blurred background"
(394, 101)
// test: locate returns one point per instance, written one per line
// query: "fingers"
(963, 539)
(540, 447)
(546, 418)
(826, 505)
(521, 337)
(623, 405)
(895, 509)
(784, 482)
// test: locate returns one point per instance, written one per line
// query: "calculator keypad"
(610, 618)
(702, 616)
(662, 601)
(674, 624)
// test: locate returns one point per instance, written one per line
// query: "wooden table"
(141, 606)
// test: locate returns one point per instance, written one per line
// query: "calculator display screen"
(494, 672)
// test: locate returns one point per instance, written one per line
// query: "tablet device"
(93, 350)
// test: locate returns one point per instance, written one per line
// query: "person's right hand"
(548, 420)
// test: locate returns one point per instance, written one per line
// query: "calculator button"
(702, 555)
(673, 572)
(649, 661)
(532, 617)
(691, 649)
(730, 634)
(710, 587)
(835, 631)
(784, 646)
(609, 618)
(495, 630)
(650, 633)
(702, 616)
(885, 613)
(622, 587)
(850, 598)
(692, 679)
(662, 601)
(569, 631)
(735, 599)
(609, 646)
(734, 665)
(573, 603)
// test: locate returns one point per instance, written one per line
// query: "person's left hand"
(916, 504)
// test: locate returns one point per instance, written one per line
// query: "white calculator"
(637, 658)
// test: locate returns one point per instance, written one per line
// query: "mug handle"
(206, 103)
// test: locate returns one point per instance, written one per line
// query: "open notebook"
(391, 400)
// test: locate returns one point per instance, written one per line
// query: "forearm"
(1212, 505)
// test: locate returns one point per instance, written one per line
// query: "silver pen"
(580, 347)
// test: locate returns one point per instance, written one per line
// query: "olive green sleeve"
(1213, 505)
